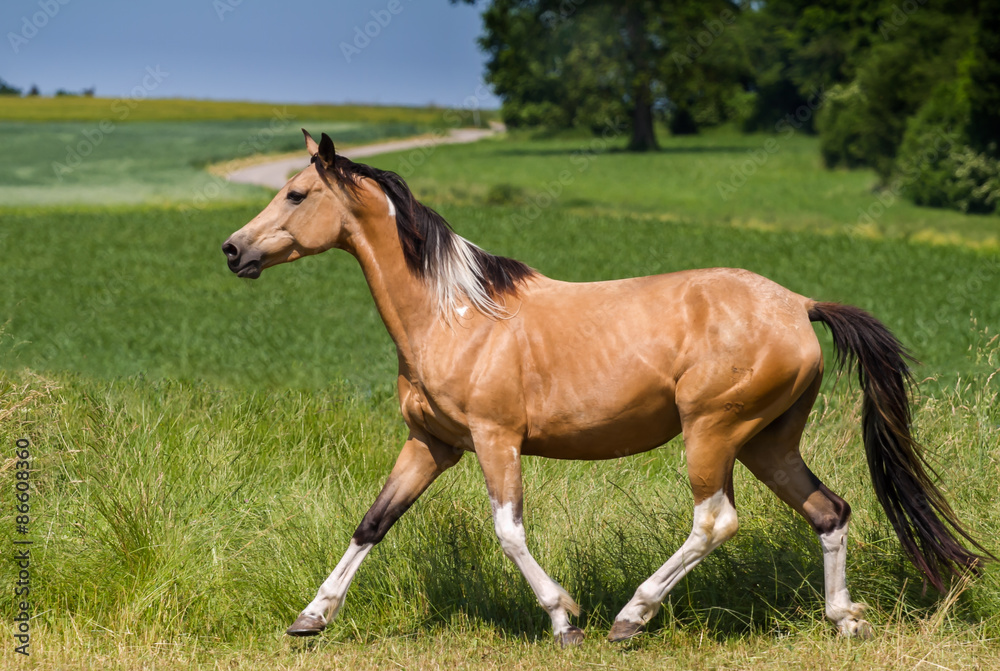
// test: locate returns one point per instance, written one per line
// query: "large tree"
(604, 64)
(984, 76)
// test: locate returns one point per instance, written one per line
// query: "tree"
(562, 63)
(907, 56)
(8, 89)
(984, 89)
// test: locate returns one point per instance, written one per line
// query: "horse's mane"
(433, 251)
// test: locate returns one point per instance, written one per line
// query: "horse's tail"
(927, 527)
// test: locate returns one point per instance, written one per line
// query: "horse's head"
(306, 217)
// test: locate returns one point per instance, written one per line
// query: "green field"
(781, 186)
(204, 446)
(131, 291)
(154, 161)
(76, 150)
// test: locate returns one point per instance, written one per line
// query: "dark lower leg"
(418, 464)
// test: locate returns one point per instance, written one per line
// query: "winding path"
(274, 174)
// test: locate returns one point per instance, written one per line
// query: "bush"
(864, 123)
(952, 176)
(923, 167)
(841, 123)
(975, 179)
(937, 166)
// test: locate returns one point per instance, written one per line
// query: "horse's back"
(602, 363)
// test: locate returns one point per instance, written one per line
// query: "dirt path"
(274, 174)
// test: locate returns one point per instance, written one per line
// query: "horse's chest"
(425, 414)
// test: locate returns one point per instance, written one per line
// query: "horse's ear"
(326, 150)
(311, 145)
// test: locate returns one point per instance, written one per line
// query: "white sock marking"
(552, 597)
(331, 593)
(714, 523)
(839, 607)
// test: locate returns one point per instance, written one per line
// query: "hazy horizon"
(381, 52)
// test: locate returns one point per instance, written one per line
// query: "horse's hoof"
(624, 630)
(306, 625)
(571, 637)
(861, 629)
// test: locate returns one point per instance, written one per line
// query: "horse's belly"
(601, 432)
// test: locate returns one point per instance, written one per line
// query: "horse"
(497, 360)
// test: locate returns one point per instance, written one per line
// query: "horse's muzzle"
(243, 264)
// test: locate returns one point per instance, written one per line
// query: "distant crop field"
(155, 161)
(78, 108)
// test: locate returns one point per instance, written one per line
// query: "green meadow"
(765, 182)
(145, 290)
(204, 446)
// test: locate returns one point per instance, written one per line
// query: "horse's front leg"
(500, 458)
(418, 464)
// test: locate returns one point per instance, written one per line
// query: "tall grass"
(170, 510)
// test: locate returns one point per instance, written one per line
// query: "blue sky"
(374, 51)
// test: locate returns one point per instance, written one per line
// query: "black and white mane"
(434, 252)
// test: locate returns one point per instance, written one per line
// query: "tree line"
(910, 88)
(8, 89)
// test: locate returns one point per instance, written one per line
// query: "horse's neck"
(403, 300)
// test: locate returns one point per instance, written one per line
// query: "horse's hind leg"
(773, 457)
(710, 470)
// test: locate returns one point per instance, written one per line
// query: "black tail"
(928, 529)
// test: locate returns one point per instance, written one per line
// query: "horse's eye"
(296, 197)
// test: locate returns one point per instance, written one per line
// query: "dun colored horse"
(500, 361)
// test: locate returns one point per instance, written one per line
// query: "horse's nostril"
(230, 250)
